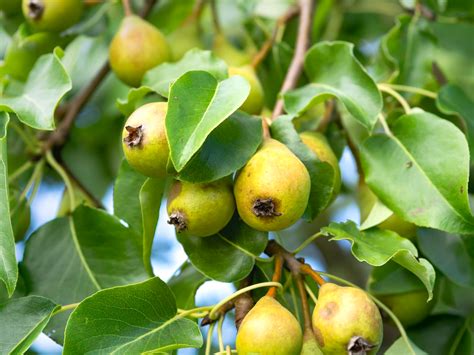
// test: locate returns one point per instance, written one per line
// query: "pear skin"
(254, 102)
(409, 307)
(144, 140)
(310, 344)
(272, 190)
(137, 47)
(269, 329)
(222, 48)
(200, 210)
(367, 199)
(318, 143)
(345, 319)
(184, 39)
(52, 15)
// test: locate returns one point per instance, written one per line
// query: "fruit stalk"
(304, 302)
(302, 42)
(276, 275)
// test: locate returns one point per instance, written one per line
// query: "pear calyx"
(135, 136)
(178, 220)
(359, 346)
(265, 207)
(35, 9)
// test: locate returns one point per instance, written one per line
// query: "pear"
(222, 48)
(310, 344)
(409, 307)
(254, 102)
(52, 15)
(200, 210)
(319, 145)
(346, 320)
(184, 39)
(272, 190)
(367, 199)
(144, 140)
(269, 329)
(137, 47)
(10, 7)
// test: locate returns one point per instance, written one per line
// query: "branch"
(302, 42)
(263, 52)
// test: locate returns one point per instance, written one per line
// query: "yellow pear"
(346, 320)
(254, 102)
(52, 15)
(200, 210)
(144, 140)
(318, 143)
(137, 47)
(367, 199)
(272, 190)
(269, 329)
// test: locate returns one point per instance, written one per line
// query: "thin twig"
(262, 53)
(304, 302)
(127, 8)
(215, 16)
(276, 275)
(302, 42)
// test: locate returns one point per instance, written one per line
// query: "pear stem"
(265, 49)
(127, 7)
(308, 326)
(302, 42)
(276, 275)
(215, 16)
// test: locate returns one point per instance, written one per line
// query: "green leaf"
(421, 172)
(391, 278)
(225, 150)
(376, 247)
(198, 104)
(134, 319)
(137, 201)
(228, 256)
(23, 319)
(453, 100)
(90, 250)
(400, 347)
(323, 176)
(184, 284)
(450, 254)
(47, 83)
(8, 266)
(129, 104)
(334, 71)
(160, 79)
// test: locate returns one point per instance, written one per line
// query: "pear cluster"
(270, 192)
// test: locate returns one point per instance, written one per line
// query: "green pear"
(200, 210)
(144, 140)
(367, 199)
(184, 39)
(310, 344)
(254, 102)
(272, 190)
(137, 47)
(269, 329)
(318, 143)
(346, 320)
(409, 307)
(225, 50)
(52, 15)
(10, 7)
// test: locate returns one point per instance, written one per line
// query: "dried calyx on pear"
(52, 15)
(144, 141)
(269, 328)
(272, 190)
(346, 321)
(200, 210)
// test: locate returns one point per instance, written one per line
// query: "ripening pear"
(272, 190)
(346, 320)
(52, 15)
(184, 39)
(318, 143)
(310, 344)
(225, 50)
(394, 223)
(10, 7)
(254, 102)
(269, 329)
(200, 210)
(409, 307)
(144, 140)
(137, 47)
